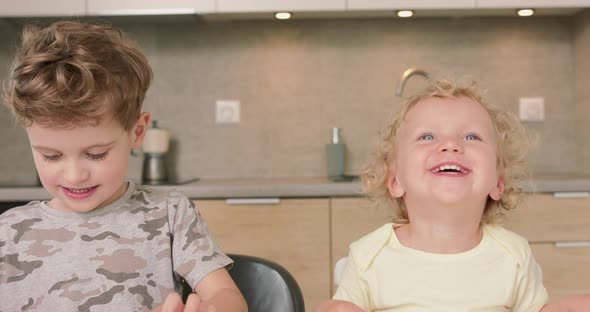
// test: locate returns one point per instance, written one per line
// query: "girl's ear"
(139, 130)
(395, 188)
(498, 189)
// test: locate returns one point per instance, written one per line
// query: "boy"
(447, 166)
(101, 243)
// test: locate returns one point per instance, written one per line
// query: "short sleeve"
(194, 253)
(353, 287)
(531, 295)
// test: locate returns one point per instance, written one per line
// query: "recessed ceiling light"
(283, 15)
(525, 12)
(405, 13)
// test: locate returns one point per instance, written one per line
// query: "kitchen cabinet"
(558, 230)
(409, 4)
(489, 4)
(149, 7)
(291, 232)
(246, 6)
(24, 8)
(565, 268)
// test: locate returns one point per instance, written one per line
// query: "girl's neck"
(439, 237)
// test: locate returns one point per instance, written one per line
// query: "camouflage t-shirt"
(117, 258)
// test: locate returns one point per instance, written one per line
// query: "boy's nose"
(76, 173)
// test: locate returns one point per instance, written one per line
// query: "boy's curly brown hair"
(73, 74)
(512, 149)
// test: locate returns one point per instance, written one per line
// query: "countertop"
(301, 187)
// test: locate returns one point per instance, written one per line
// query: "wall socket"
(227, 111)
(531, 108)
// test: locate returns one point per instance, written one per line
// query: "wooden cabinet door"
(352, 218)
(566, 270)
(292, 232)
(545, 218)
(25, 8)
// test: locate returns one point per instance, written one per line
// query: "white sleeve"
(353, 288)
(530, 295)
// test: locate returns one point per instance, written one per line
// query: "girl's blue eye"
(427, 137)
(471, 137)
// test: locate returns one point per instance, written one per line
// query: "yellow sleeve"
(530, 295)
(353, 288)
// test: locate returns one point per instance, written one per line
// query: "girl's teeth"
(450, 167)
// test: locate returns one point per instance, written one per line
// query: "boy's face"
(446, 152)
(84, 168)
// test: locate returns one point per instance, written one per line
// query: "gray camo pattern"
(118, 258)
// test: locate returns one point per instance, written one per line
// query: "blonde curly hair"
(512, 150)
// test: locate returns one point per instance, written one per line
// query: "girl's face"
(84, 168)
(446, 152)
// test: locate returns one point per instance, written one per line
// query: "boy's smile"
(446, 154)
(84, 167)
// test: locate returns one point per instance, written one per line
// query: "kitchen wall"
(581, 44)
(298, 79)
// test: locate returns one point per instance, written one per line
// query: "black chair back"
(266, 285)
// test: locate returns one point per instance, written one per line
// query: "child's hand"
(339, 306)
(173, 303)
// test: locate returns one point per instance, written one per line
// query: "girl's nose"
(451, 146)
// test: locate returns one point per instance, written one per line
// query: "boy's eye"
(471, 137)
(51, 157)
(100, 156)
(427, 137)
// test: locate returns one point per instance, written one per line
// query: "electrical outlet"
(531, 108)
(227, 111)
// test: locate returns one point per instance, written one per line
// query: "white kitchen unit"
(409, 4)
(497, 4)
(254, 6)
(24, 8)
(149, 7)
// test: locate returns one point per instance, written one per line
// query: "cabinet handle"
(572, 244)
(571, 194)
(253, 201)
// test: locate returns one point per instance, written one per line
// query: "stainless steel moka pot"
(155, 147)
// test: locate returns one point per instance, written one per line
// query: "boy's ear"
(139, 130)
(395, 188)
(498, 189)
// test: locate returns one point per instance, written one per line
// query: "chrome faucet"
(407, 74)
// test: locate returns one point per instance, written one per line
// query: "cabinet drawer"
(544, 218)
(291, 232)
(565, 269)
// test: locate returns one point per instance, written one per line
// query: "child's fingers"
(193, 303)
(173, 303)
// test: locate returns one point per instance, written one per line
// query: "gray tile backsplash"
(298, 79)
